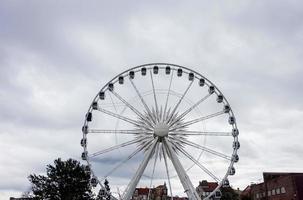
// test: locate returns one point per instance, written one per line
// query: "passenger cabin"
(89, 117)
(191, 76)
(83, 142)
(232, 171)
(121, 79)
(84, 155)
(94, 182)
(95, 105)
(211, 89)
(156, 69)
(111, 87)
(102, 95)
(167, 70)
(85, 129)
(132, 74)
(231, 120)
(226, 108)
(179, 72)
(235, 132)
(143, 71)
(226, 183)
(236, 144)
(102, 193)
(220, 98)
(235, 158)
(202, 82)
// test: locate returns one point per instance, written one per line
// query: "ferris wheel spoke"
(134, 141)
(207, 171)
(179, 102)
(132, 108)
(129, 191)
(167, 172)
(198, 133)
(128, 158)
(190, 109)
(167, 96)
(206, 149)
(131, 132)
(197, 120)
(122, 118)
(153, 172)
(143, 102)
(154, 92)
(111, 98)
(183, 177)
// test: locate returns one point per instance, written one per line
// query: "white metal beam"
(129, 191)
(186, 183)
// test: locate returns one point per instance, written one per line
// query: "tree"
(229, 193)
(66, 180)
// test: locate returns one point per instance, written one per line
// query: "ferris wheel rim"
(149, 67)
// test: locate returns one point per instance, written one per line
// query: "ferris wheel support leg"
(136, 178)
(186, 183)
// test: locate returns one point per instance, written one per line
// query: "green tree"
(229, 193)
(65, 180)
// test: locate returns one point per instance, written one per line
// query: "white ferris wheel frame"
(160, 134)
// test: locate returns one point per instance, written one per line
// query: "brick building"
(276, 186)
(157, 193)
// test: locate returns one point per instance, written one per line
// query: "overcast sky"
(55, 56)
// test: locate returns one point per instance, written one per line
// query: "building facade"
(157, 193)
(276, 186)
(205, 188)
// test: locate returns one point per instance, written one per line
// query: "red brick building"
(276, 186)
(158, 193)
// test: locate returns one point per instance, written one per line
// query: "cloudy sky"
(55, 56)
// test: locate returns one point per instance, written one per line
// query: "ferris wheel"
(158, 123)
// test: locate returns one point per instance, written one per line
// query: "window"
(278, 191)
(283, 191)
(273, 192)
(269, 193)
(263, 195)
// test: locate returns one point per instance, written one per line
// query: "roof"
(161, 186)
(272, 175)
(208, 186)
(145, 191)
(142, 191)
(246, 191)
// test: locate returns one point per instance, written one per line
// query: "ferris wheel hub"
(161, 130)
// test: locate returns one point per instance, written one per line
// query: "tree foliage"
(229, 193)
(65, 180)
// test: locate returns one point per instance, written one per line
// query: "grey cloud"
(54, 57)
